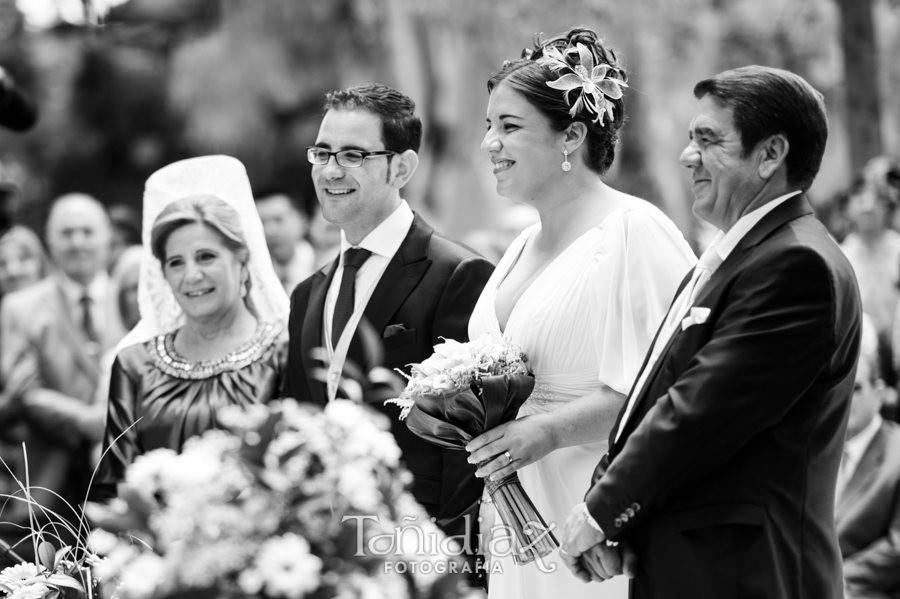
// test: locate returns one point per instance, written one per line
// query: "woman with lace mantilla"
(212, 330)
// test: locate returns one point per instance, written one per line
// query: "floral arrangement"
(597, 85)
(63, 573)
(59, 574)
(294, 502)
(456, 366)
(463, 390)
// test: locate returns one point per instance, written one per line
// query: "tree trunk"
(861, 80)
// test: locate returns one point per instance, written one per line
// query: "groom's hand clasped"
(587, 554)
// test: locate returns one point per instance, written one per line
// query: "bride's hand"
(525, 440)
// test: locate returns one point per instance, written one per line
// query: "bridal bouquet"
(294, 502)
(463, 390)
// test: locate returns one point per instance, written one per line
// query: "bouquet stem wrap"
(531, 537)
(453, 419)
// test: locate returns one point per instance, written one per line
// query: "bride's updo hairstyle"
(552, 60)
(206, 210)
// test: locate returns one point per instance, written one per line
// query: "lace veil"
(225, 178)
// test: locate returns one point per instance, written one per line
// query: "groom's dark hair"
(765, 101)
(401, 128)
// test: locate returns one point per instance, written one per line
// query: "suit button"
(636, 507)
(630, 512)
(334, 376)
(624, 517)
(618, 523)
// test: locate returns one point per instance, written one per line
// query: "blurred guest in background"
(125, 276)
(126, 231)
(874, 249)
(867, 498)
(286, 226)
(213, 315)
(53, 334)
(493, 242)
(22, 263)
(22, 259)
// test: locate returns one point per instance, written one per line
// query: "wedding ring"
(508, 457)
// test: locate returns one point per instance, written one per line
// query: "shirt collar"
(386, 238)
(96, 289)
(857, 444)
(724, 243)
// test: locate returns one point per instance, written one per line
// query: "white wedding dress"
(585, 321)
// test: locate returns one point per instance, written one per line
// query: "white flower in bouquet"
(148, 473)
(200, 565)
(107, 569)
(357, 483)
(34, 590)
(21, 575)
(366, 433)
(142, 578)
(455, 366)
(102, 542)
(288, 567)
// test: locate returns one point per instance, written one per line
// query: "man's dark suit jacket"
(867, 517)
(723, 478)
(430, 288)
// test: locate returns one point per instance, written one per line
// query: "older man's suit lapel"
(313, 335)
(793, 208)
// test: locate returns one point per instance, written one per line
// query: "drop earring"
(566, 165)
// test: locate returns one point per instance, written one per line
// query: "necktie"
(87, 320)
(708, 263)
(346, 299)
(706, 266)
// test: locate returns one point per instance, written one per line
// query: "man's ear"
(772, 153)
(403, 167)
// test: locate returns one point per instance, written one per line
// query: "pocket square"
(392, 329)
(697, 316)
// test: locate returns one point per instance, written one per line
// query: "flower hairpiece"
(597, 87)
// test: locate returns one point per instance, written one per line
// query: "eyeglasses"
(345, 158)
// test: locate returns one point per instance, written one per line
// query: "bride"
(581, 293)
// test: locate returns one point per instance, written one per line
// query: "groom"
(720, 477)
(396, 276)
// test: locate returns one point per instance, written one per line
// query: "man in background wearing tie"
(53, 334)
(867, 498)
(719, 480)
(395, 276)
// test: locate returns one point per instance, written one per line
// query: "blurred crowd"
(94, 254)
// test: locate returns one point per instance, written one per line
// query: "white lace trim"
(225, 178)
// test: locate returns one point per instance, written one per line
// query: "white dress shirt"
(97, 291)
(722, 244)
(854, 448)
(383, 242)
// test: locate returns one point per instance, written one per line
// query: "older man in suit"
(395, 275)
(53, 334)
(867, 509)
(719, 481)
